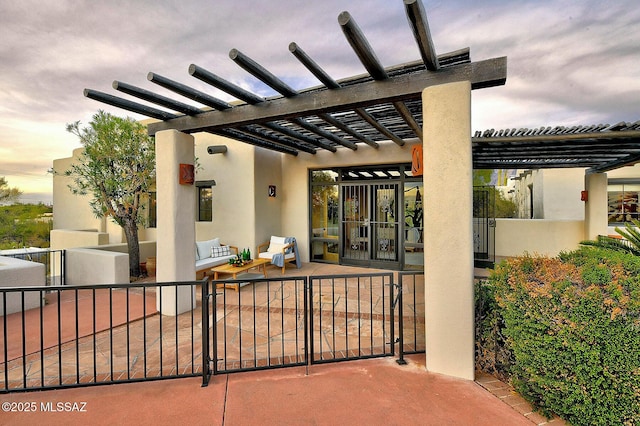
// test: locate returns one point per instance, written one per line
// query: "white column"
(176, 212)
(596, 216)
(448, 230)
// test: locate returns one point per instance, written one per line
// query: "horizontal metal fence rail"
(411, 320)
(350, 317)
(53, 261)
(261, 326)
(95, 334)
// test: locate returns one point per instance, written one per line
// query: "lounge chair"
(280, 250)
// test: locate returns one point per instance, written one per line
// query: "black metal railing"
(53, 261)
(351, 317)
(58, 337)
(411, 320)
(260, 327)
(293, 321)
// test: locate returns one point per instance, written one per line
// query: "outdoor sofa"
(212, 253)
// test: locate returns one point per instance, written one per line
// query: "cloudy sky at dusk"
(569, 61)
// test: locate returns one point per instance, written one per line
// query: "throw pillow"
(275, 248)
(220, 251)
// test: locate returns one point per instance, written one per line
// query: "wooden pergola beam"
(418, 21)
(629, 160)
(595, 137)
(487, 73)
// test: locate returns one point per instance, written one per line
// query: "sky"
(570, 62)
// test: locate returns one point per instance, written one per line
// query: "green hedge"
(571, 329)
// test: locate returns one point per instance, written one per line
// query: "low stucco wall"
(91, 266)
(514, 237)
(68, 238)
(20, 273)
(147, 249)
(103, 264)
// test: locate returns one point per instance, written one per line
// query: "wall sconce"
(584, 195)
(272, 190)
(217, 149)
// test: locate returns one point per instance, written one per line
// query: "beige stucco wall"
(625, 172)
(268, 210)
(561, 194)
(597, 206)
(88, 266)
(71, 211)
(556, 194)
(233, 195)
(61, 239)
(514, 237)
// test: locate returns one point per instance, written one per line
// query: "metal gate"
(294, 321)
(351, 317)
(484, 226)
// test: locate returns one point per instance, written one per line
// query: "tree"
(504, 207)
(7, 194)
(117, 168)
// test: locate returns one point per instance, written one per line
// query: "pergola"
(382, 105)
(599, 148)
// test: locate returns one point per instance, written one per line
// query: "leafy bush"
(492, 353)
(572, 328)
(21, 226)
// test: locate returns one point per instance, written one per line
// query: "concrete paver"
(372, 392)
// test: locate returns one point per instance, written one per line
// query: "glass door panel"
(355, 222)
(325, 223)
(413, 225)
(385, 222)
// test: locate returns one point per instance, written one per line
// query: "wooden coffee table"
(235, 270)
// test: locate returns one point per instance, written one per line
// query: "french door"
(370, 224)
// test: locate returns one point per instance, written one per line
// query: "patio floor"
(375, 391)
(356, 392)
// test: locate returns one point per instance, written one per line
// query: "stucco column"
(176, 204)
(448, 230)
(596, 216)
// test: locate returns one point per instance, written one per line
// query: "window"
(153, 218)
(623, 198)
(205, 200)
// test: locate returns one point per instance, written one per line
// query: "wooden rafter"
(383, 104)
(599, 148)
(490, 72)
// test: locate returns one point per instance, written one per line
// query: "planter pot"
(151, 266)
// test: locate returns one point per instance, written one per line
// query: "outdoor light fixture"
(217, 149)
(272, 190)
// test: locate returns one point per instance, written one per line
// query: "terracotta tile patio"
(131, 345)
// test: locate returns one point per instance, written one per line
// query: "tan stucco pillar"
(176, 214)
(596, 207)
(448, 230)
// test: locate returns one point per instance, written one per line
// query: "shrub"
(572, 327)
(492, 353)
